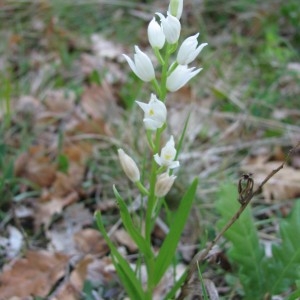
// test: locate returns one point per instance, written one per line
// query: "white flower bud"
(129, 166)
(141, 66)
(156, 35)
(175, 8)
(155, 113)
(167, 155)
(188, 50)
(180, 76)
(171, 27)
(163, 184)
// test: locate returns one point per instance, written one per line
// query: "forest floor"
(67, 104)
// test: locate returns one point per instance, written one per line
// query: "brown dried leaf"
(78, 152)
(71, 290)
(36, 166)
(78, 275)
(60, 101)
(67, 292)
(46, 209)
(123, 238)
(100, 103)
(90, 241)
(89, 126)
(63, 185)
(101, 271)
(35, 274)
(61, 234)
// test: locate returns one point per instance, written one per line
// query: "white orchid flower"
(155, 113)
(171, 27)
(189, 50)
(180, 76)
(156, 35)
(141, 66)
(129, 166)
(167, 155)
(163, 184)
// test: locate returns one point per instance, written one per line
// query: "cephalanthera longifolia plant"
(163, 35)
(261, 277)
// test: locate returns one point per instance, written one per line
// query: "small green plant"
(163, 38)
(6, 176)
(259, 275)
(5, 99)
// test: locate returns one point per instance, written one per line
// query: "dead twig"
(246, 193)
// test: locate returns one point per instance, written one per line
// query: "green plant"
(163, 39)
(6, 175)
(5, 98)
(258, 274)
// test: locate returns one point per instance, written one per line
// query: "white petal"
(157, 159)
(174, 164)
(180, 76)
(171, 28)
(131, 64)
(152, 124)
(143, 106)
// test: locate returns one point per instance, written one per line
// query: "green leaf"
(203, 287)
(63, 163)
(295, 295)
(284, 268)
(180, 142)
(130, 227)
(127, 276)
(168, 248)
(172, 292)
(246, 250)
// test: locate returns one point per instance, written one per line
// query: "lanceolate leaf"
(131, 284)
(130, 227)
(168, 248)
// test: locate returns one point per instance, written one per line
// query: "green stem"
(164, 71)
(158, 55)
(161, 90)
(149, 214)
(141, 188)
(156, 86)
(173, 67)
